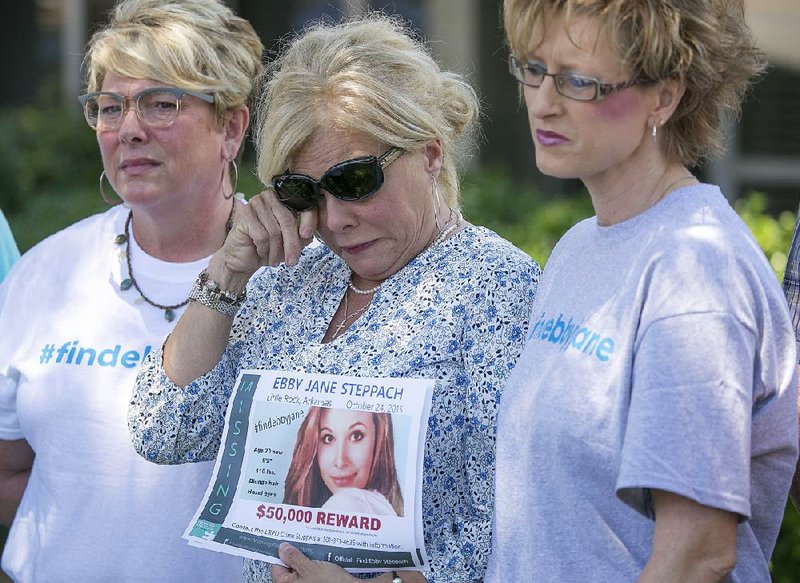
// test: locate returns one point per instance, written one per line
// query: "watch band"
(207, 292)
(396, 578)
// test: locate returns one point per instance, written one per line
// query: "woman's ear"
(668, 96)
(234, 130)
(433, 157)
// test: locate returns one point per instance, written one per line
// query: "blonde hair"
(706, 45)
(369, 76)
(192, 44)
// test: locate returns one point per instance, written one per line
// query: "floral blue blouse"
(458, 313)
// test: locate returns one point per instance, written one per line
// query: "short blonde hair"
(192, 44)
(370, 76)
(707, 45)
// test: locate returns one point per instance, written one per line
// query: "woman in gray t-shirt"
(649, 430)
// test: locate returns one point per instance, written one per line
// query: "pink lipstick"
(547, 138)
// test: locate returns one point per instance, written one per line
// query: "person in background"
(791, 287)
(169, 83)
(359, 135)
(648, 432)
(8, 247)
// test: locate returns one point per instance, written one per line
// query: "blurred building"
(43, 40)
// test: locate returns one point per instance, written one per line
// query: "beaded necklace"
(130, 281)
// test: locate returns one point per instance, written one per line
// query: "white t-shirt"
(70, 348)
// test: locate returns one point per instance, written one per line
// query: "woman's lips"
(547, 138)
(137, 166)
(356, 249)
(343, 482)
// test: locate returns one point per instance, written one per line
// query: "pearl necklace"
(446, 231)
(362, 292)
(439, 238)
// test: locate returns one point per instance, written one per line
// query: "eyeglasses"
(350, 180)
(158, 107)
(569, 85)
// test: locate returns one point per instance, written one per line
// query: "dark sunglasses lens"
(353, 180)
(296, 192)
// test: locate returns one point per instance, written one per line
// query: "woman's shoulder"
(484, 258)
(472, 270)
(700, 252)
(700, 221)
(75, 242)
(484, 247)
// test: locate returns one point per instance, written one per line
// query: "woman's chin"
(336, 485)
(553, 169)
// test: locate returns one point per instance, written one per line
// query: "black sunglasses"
(350, 180)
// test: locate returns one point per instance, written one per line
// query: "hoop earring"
(235, 181)
(437, 201)
(110, 201)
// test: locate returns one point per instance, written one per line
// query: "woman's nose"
(130, 126)
(341, 458)
(336, 214)
(544, 100)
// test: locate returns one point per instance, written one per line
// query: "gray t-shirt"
(660, 355)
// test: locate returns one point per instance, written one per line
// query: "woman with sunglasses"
(168, 88)
(359, 134)
(648, 432)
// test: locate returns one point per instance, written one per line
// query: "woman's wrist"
(230, 281)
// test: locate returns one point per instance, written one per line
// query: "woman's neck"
(624, 193)
(182, 234)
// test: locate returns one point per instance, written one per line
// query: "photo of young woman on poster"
(344, 460)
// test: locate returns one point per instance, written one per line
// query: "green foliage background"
(50, 165)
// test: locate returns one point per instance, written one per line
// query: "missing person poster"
(329, 463)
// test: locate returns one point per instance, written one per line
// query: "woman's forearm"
(196, 344)
(265, 233)
(16, 460)
(201, 335)
(691, 543)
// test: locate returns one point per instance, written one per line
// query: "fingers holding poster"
(325, 464)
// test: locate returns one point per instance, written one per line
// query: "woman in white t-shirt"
(168, 87)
